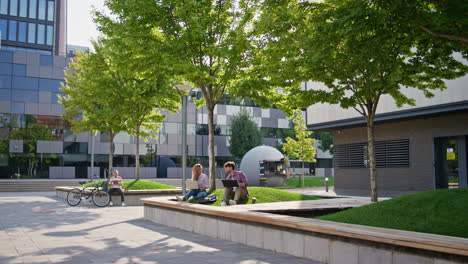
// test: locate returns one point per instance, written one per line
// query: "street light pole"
(184, 133)
(92, 155)
(184, 141)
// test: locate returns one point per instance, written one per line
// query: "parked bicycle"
(99, 197)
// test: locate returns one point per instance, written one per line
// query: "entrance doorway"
(451, 162)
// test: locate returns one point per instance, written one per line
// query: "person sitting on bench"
(115, 185)
(201, 179)
(240, 192)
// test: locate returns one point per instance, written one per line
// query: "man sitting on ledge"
(240, 192)
(115, 184)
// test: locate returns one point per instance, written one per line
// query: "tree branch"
(463, 40)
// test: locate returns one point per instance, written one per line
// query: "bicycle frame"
(90, 191)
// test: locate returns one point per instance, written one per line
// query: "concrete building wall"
(394, 181)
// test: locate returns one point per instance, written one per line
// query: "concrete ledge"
(132, 197)
(324, 241)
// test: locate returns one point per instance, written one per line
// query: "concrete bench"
(324, 241)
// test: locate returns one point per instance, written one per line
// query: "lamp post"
(92, 155)
(184, 98)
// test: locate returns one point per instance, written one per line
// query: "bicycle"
(99, 197)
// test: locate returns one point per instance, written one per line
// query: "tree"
(361, 54)
(245, 134)
(90, 99)
(326, 140)
(209, 44)
(141, 94)
(303, 147)
(445, 19)
(105, 89)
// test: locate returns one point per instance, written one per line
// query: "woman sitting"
(201, 179)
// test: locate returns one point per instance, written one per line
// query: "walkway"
(36, 228)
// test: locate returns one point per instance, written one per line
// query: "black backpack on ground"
(208, 199)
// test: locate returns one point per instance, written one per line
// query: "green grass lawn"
(442, 212)
(295, 182)
(264, 195)
(138, 185)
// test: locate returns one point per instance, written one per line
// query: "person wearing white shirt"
(115, 185)
(201, 179)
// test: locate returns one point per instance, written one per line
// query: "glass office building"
(34, 26)
(35, 142)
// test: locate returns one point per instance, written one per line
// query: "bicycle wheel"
(101, 198)
(74, 197)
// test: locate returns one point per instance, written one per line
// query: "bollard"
(326, 184)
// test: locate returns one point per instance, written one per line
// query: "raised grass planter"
(323, 241)
(132, 197)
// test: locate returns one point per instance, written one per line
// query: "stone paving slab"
(107, 235)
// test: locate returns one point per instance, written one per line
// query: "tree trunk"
(211, 152)
(371, 156)
(137, 157)
(302, 179)
(111, 152)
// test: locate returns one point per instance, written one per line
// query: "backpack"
(105, 186)
(208, 199)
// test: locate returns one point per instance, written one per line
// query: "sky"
(80, 26)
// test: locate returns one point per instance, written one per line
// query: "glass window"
(32, 33)
(4, 7)
(23, 8)
(3, 28)
(40, 34)
(50, 35)
(22, 31)
(50, 10)
(75, 148)
(32, 8)
(12, 31)
(13, 7)
(75, 160)
(42, 9)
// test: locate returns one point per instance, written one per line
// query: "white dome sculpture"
(250, 163)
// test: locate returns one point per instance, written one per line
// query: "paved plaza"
(37, 228)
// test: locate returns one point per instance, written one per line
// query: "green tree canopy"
(245, 134)
(90, 99)
(302, 148)
(209, 44)
(142, 95)
(361, 54)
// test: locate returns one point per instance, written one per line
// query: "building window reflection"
(12, 30)
(4, 7)
(31, 33)
(50, 10)
(33, 9)
(42, 9)
(13, 7)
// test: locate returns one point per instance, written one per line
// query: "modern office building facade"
(34, 26)
(418, 147)
(36, 142)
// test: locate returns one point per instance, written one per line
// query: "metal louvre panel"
(397, 153)
(356, 155)
(388, 154)
(341, 156)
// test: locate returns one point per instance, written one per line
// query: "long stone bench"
(132, 197)
(324, 241)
